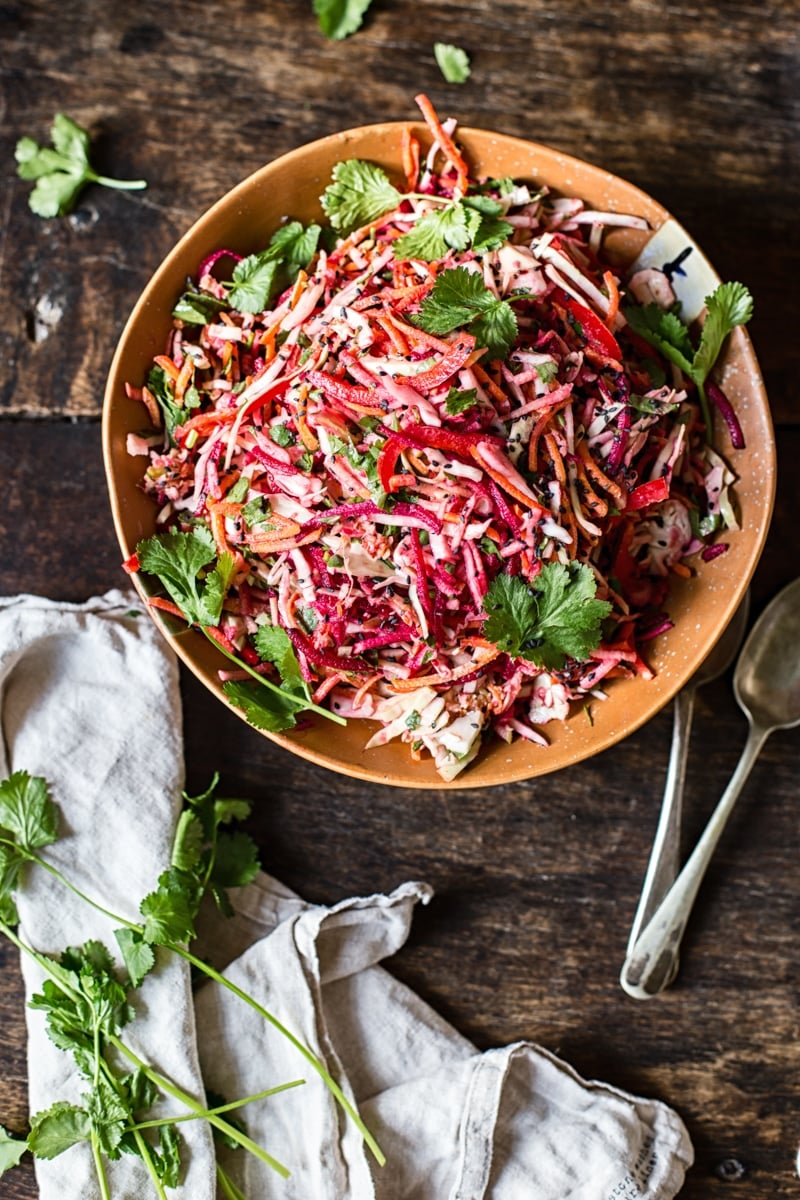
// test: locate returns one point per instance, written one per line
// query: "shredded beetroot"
(718, 397)
(710, 552)
(207, 263)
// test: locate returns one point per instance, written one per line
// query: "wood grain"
(535, 884)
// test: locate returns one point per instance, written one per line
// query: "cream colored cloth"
(90, 700)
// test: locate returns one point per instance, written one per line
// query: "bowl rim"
(183, 648)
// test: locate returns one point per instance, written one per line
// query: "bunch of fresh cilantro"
(88, 1003)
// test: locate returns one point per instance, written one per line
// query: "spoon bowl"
(767, 688)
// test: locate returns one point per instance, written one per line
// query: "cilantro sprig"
(556, 617)
(729, 305)
(62, 170)
(87, 1005)
(183, 564)
(460, 299)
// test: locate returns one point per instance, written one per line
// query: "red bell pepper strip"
(422, 437)
(387, 462)
(595, 333)
(363, 399)
(446, 367)
(652, 492)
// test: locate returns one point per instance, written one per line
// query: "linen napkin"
(89, 699)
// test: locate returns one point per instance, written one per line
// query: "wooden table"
(536, 884)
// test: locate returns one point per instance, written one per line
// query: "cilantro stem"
(309, 706)
(222, 1108)
(123, 185)
(99, 1168)
(228, 1186)
(54, 871)
(178, 1094)
(328, 1079)
(144, 1148)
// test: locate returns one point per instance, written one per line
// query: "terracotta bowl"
(701, 606)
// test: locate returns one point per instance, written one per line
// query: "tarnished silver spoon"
(665, 856)
(766, 684)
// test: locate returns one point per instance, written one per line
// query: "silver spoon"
(665, 859)
(766, 684)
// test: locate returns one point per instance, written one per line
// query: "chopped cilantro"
(458, 401)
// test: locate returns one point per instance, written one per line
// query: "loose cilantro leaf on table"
(460, 299)
(555, 617)
(11, 1150)
(361, 192)
(452, 61)
(340, 18)
(62, 171)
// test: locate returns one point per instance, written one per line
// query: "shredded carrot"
(409, 148)
(167, 366)
(448, 146)
(613, 298)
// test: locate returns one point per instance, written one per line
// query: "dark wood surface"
(536, 884)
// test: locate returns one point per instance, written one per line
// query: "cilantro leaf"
(449, 228)
(556, 617)
(58, 1128)
(295, 244)
(728, 305)
(452, 61)
(11, 1150)
(236, 860)
(160, 384)
(274, 645)
(177, 559)
(108, 1115)
(169, 911)
(460, 298)
(167, 1158)
(137, 954)
(253, 282)
(198, 308)
(665, 331)
(339, 18)
(61, 172)
(458, 401)
(491, 234)
(361, 192)
(271, 711)
(257, 278)
(27, 811)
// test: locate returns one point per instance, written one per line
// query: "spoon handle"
(651, 965)
(665, 856)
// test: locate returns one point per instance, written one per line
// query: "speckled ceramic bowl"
(701, 606)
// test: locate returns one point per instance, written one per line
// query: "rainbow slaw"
(416, 507)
